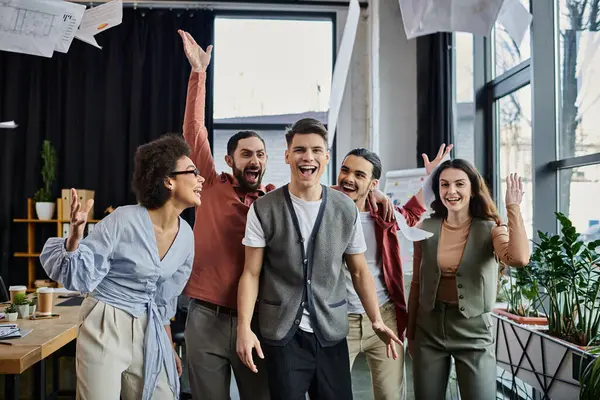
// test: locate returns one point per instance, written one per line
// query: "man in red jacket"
(359, 175)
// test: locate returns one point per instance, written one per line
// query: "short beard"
(244, 185)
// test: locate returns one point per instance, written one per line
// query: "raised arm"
(194, 129)
(511, 245)
(79, 264)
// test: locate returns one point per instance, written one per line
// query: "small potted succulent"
(11, 313)
(33, 304)
(22, 305)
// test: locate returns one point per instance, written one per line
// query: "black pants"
(303, 365)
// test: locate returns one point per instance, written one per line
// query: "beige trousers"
(387, 374)
(110, 355)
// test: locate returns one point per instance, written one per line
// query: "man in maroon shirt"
(211, 328)
(358, 176)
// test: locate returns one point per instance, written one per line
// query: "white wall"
(389, 95)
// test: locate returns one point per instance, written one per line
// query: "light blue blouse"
(118, 264)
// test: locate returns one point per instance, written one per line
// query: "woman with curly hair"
(454, 282)
(133, 266)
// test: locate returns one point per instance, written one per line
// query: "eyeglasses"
(189, 171)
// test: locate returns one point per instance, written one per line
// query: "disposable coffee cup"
(45, 301)
(13, 290)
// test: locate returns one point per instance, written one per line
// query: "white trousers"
(110, 355)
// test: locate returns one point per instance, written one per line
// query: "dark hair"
(371, 157)
(154, 161)
(481, 205)
(233, 141)
(305, 126)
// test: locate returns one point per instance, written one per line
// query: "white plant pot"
(12, 317)
(32, 309)
(23, 311)
(44, 210)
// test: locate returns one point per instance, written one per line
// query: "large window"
(514, 150)
(578, 110)
(507, 52)
(463, 97)
(269, 73)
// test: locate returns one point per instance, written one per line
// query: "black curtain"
(96, 107)
(434, 93)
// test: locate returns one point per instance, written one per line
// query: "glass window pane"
(579, 69)
(277, 172)
(515, 137)
(271, 66)
(464, 106)
(508, 53)
(579, 194)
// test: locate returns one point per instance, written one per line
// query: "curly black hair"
(153, 162)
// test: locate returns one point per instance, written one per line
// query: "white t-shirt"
(373, 256)
(307, 212)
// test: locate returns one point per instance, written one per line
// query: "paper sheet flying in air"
(422, 17)
(73, 14)
(8, 125)
(410, 233)
(342, 65)
(515, 18)
(99, 19)
(31, 26)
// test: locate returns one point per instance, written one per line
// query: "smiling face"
(356, 178)
(248, 163)
(185, 183)
(455, 190)
(308, 157)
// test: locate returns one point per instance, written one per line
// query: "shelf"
(27, 255)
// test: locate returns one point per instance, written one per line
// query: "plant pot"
(32, 309)
(520, 319)
(44, 210)
(23, 311)
(12, 317)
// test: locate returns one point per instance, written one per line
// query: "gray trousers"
(443, 333)
(210, 339)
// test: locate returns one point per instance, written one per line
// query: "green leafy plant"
(590, 378)
(48, 172)
(11, 309)
(20, 299)
(521, 290)
(567, 268)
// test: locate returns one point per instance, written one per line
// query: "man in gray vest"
(297, 238)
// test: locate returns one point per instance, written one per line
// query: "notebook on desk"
(12, 331)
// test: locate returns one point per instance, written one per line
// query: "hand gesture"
(514, 189)
(442, 152)
(198, 58)
(388, 337)
(78, 219)
(377, 197)
(246, 342)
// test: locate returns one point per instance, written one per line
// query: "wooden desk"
(47, 337)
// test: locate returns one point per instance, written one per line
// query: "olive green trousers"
(443, 333)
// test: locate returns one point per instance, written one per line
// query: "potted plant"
(520, 290)
(567, 268)
(590, 378)
(11, 313)
(22, 304)
(44, 206)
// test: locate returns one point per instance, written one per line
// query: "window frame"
(281, 15)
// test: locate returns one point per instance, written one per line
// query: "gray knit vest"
(477, 273)
(290, 281)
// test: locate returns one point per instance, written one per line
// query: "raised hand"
(198, 58)
(442, 152)
(514, 189)
(78, 219)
